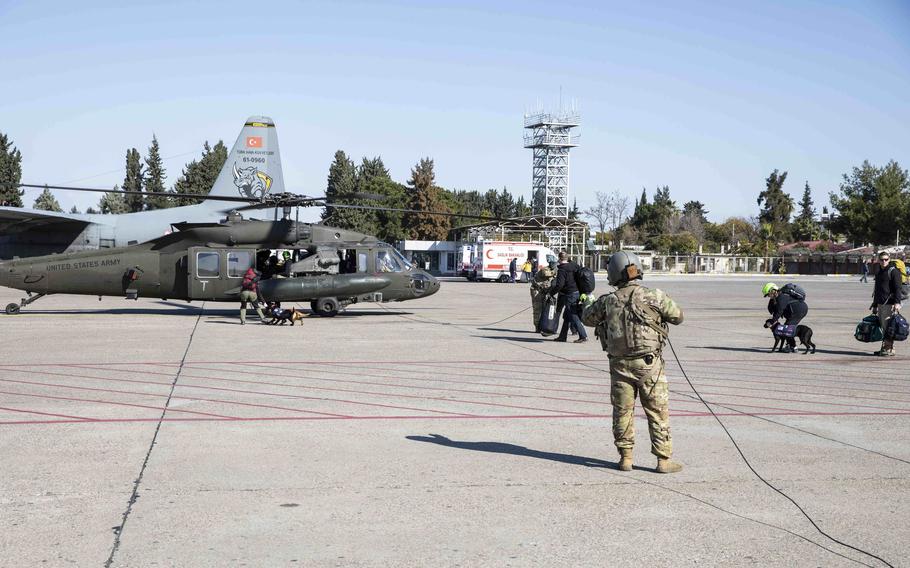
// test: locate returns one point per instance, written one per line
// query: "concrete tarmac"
(441, 432)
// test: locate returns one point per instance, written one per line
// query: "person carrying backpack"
(565, 286)
(788, 301)
(886, 298)
(249, 289)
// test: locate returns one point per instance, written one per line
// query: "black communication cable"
(758, 475)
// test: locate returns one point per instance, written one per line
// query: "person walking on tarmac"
(249, 289)
(513, 269)
(787, 302)
(565, 286)
(631, 323)
(526, 271)
(886, 298)
(539, 288)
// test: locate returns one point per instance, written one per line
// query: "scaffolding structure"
(535, 228)
(550, 138)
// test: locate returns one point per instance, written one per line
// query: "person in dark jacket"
(886, 298)
(513, 269)
(565, 286)
(249, 290)
(784, 305)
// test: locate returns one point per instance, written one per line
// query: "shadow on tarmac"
(509, 330)
(512, 449)
(520, 339)
(768, 350)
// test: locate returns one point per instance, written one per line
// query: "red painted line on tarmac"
(175, 397)
(137, 381)
(826, 395)
(74, 418)
(389, 385)
(828, 384)
(456, 417)
(383, 394)
(73, 399)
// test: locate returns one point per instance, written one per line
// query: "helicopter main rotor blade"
(399, 210)
(274, 201)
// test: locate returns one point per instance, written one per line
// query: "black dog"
(788, 344)
(280, 316)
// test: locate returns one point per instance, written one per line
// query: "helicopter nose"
(434, 286)
(424, 284)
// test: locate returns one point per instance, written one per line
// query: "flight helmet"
(624, 266)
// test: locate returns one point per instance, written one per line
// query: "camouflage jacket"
(632, 321)
(542, 281)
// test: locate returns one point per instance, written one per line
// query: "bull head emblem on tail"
(251, 182)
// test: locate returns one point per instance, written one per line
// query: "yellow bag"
(899, 264)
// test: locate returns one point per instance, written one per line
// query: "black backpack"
(584, 280)
(896, 328)
(795, 291)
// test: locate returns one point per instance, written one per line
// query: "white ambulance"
(491, 258)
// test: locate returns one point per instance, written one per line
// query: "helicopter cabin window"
(361, 262)
(385, 262)
(238, 263)
(347, 263)
(207, 265)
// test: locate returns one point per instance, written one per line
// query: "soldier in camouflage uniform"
(632, 326)
(539, 286)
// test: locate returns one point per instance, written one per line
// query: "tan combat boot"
(665, 465)
(625, 461)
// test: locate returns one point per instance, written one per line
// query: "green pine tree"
(133, 181)
(340, 187)
(47, 202)
(805, 227)
(425, 196)
(199, 177)
(155, 197)
(10, 173)
(113, 203)
(776, 205)
(74, 210)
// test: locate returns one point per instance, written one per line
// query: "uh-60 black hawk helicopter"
(330, 268)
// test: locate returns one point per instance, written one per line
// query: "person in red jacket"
(249, 293)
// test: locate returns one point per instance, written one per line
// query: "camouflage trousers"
(248, 296)
(637, 377)
(537, 305)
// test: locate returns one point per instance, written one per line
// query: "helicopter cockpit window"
(402, 260)
(361, 262)
(386, 262)
(207, 265)
(238, 263)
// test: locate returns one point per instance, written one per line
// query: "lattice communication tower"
(551, 138)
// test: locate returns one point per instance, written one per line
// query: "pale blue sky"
(706, 97)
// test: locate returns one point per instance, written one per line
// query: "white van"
(491, 258)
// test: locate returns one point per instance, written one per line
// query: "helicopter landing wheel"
(12, 309)
(325, 307)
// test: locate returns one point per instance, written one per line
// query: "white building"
(436, 257)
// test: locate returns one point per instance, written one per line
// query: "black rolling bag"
(549, 317)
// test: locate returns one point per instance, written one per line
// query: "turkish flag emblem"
(254, 141)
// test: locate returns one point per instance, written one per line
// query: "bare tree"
(601, 212)
(620, 208)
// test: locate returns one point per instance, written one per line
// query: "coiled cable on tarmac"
(758, 475)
